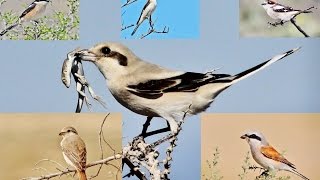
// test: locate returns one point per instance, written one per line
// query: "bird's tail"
(82, 175)
(135, 29)
(8, 29)
(253, 70)
(308, 10)
(299, 174)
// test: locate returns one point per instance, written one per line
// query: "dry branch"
(67, 171)
(139, 155)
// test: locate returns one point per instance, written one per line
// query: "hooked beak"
(86, 55)
(244, 137)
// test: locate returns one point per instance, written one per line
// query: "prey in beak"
(86, 55)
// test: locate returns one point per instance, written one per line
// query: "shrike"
(154, 91)
(34, 11)
(266, 156)
(146, 13)
(74, 151)
(281, 12)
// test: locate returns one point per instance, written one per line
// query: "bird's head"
(255, 138)
(268, 3)
(112, 59)
(68, 131)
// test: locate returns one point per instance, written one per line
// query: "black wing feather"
(187, 82)
(30, 7)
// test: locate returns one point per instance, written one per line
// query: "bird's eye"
(105, 50)
(68, 131)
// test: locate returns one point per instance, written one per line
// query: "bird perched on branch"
(34, 11)
(74, 151)
(281, 12)
(146, 13)
(266, 156)
(154, 91)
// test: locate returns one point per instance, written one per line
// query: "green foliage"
(214, 172)
(59, 26)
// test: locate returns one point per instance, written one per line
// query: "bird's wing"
(282, 8)
(271, 153)
(30, 8)
(187, 82)
(144, 8)
(76, 153)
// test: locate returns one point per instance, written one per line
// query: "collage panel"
(156, 19)
(158, 87)
(53, 145)
(39, 20)
(245, 146)
(279, 18)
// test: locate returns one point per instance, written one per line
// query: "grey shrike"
(154, 91)
(34, 11)
(281, 12)
(146, 13)
(74, 151)
(266, 156)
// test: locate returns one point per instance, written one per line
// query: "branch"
(138, 155)
(128, 3)
(126, 27)
(153, 30)
(67, 171)
(293, 21)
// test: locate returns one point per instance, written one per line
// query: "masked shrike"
(266, 156)
(146, 13)
(154, 91)
(34, 11)
(281, 12)
(74, 151)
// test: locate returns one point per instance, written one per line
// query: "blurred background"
(29, 138)
(296, 136)
(254, 20)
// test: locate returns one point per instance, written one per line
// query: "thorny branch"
(66, 171)
(138, 154)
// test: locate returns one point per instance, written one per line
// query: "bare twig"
(128, 3)
(127, 27)
(67, 171)
(293, 21)
(153, 30)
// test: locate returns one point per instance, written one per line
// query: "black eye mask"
(253, 136)
(123, 60)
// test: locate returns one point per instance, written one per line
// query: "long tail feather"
(8, 29)
(135, 29)
(253, 70)
(82, 175)
(299, 174)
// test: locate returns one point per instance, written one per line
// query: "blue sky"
(30, 73)
(182, 18)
